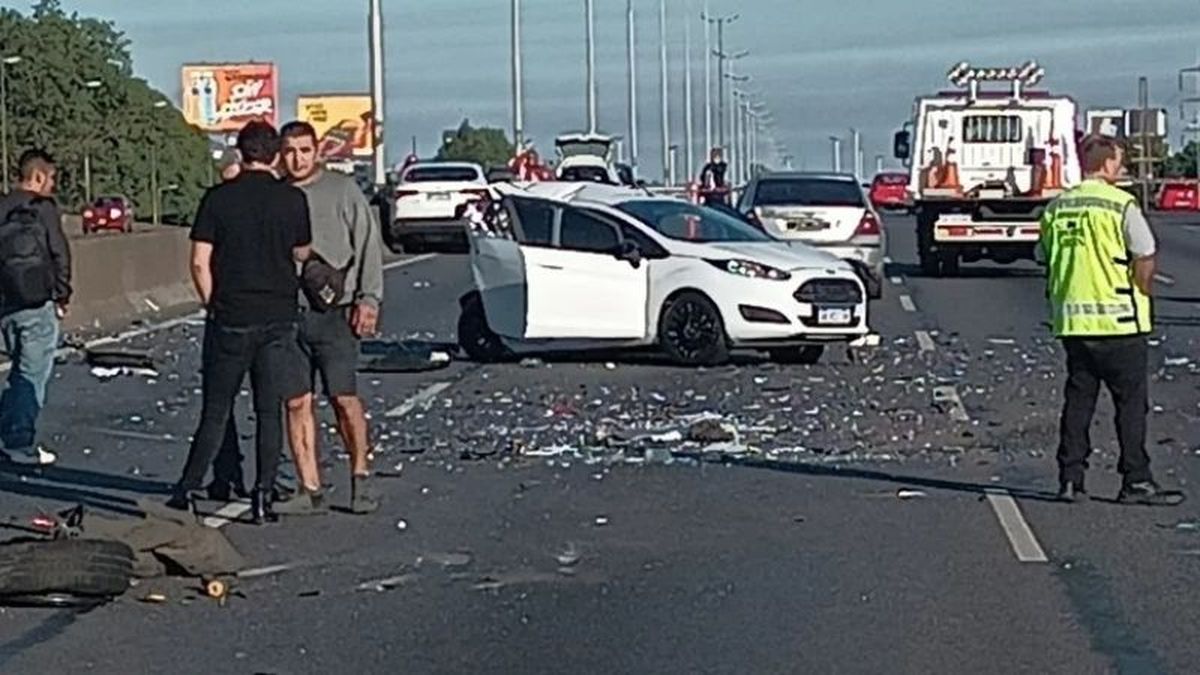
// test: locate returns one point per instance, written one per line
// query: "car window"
(648, 247)
(582, 231)
(807, 192)
(537, 221)
(690, 222)
(585, 174)
(441, 174)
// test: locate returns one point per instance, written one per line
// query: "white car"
(574, 267)
(828, 211)
(429, 202)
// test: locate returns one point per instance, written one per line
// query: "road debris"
(906, 493)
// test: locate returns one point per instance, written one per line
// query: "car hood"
(784, 255)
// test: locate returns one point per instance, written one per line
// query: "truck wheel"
(949, 263)
(930, 262)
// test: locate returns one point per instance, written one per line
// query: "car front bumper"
(760, 313)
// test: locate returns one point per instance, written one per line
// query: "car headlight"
(751, 269)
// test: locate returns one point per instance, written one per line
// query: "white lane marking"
(263, 571)
(1194, 229)
(423, 397)
(190, 318)
(408, 261)
(907, 303)
(897, 281)
(925, 341)
(949, 395)
(226, 514)
(1164, 279)
(1024, 544)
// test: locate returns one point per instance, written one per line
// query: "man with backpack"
(35, 288)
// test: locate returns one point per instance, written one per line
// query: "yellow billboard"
(223, 97)
(343, 123)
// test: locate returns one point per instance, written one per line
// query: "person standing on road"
(343, 283)
(248, 236)
(712, 179)
(35, 288)
(1099, 252)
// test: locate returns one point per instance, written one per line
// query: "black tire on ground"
(691, 331)
(806, 355)
(53, 572)
(475, 336)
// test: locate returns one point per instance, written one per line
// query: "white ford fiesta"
(571, 267)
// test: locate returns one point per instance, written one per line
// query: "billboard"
(343, 123)
(223, 97)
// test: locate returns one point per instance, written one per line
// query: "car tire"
(807, 355)
(476, 337)
(64, 572)
(692, 332)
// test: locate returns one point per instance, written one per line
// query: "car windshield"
(689, 222)
(807, 192)
(585, 174)
(441, 174)
(891, 179)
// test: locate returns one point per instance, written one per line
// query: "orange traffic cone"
(949, 178)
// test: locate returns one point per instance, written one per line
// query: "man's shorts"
(328, 347)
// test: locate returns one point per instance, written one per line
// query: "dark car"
(108, 213)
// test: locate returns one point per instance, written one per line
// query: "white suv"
(430, 200)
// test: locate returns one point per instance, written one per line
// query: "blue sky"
(821, 66)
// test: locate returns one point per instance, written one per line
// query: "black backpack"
(26, 271)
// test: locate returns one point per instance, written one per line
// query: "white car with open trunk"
(588, 266)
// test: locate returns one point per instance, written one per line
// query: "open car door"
(498, 269)
(578, 282)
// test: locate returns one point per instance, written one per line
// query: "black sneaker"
(363, 499)
(1070, 491)
(227, 491)
(304, 504)
(1148, 493)
(182, 500)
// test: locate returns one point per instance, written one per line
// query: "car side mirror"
(902, 145)
(630, 253)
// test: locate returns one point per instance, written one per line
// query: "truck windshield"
(807, 192)
(689, 222)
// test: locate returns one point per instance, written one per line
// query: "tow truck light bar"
(1028, 74)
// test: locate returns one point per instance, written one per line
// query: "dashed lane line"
(423, 397)
(1024, 544)
(907, 303)
(947, 395)
(925, 341)
(897, 281)
(1164, 279)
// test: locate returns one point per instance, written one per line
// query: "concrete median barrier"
(120, 278)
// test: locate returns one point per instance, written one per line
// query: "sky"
(819, 66)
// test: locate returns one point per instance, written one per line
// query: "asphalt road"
(885, 510)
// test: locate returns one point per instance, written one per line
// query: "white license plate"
(439, 196)
(834, 315)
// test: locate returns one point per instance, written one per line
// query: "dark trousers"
(1120, 364)
(268, 353)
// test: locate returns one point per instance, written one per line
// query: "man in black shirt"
(248, 235)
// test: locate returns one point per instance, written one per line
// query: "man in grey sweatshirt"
(345, 235)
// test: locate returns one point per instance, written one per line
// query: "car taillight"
(88, 213)
(868, 225)
(114, 213)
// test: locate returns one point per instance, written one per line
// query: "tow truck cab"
(983, 165)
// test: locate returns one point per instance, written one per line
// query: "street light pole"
(664, 93)
(518, 101)
(688, 136)
(631, 64)
(856, 140)
(377, 97)
(720, 22)
(588, 7)
(87, 153)
(155, 193)
(4, 64)
(837, 153)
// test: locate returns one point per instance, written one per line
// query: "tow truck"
(984, 163)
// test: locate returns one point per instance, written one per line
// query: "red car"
(889, 190)
(1179, 195)
(108, 213)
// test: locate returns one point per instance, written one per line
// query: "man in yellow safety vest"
(1099, 253)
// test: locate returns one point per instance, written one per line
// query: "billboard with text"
(223, 97)
(343, 123)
